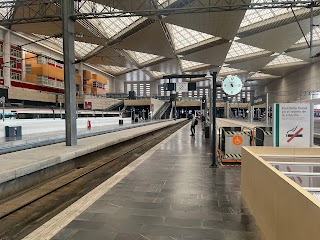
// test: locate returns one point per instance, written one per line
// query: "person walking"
(193, 124)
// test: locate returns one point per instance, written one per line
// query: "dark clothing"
(193, 130)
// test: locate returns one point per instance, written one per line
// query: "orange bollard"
(89, 124)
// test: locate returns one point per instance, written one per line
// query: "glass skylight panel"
(315, 37)
(283, 59)
(262, 75)
(190, 64)
(157, 74)
(184, 37)
(81, 48)
(165, 3)
(240, 49)
(226, 70)
(113, 69)
(259, 15)
(108, 26)
(141, 58)
(5, 11)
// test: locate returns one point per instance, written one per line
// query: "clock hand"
(231, 85)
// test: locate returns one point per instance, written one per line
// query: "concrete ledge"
(18, 164)
(281, 207)
(58, 137)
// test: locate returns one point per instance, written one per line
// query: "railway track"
(27, 210)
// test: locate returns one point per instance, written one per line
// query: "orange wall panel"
(87, 74)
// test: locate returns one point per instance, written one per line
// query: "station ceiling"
(259, 45)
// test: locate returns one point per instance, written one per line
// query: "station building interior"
(118, 83)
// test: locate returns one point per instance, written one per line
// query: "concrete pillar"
(226, 113)
(69, 73)
(81, 77)
(23, 63)
(6, 59)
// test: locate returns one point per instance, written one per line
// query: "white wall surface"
(305, 79)
(43, 126)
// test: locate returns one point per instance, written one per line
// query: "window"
(1, 48)
(59, 84)
(15, 52)
(128, 87)
(42, 80)
(135, 87)
(161, 91)
(42, 59)
(51, 61)
(148, 89)
(141, 92)
(16, 76)
(13, 64)
(1, 73)
(52, 82)
(28, 68)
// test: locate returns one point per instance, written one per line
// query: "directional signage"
(262, 99)
(182, 87)
(293, 125)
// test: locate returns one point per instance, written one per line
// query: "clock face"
(232, 85)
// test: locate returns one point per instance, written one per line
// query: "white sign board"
(293, 125)
(182, 87)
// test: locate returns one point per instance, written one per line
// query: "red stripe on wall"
(16, 70)
(15, 47)
(36, 87)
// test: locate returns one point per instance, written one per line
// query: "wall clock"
(232, 85)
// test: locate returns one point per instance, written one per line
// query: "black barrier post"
(214, 132)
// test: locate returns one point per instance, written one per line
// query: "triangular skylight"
(315, 37)
(184, 37)
(108, 26)
(240, 49)
(81, 48)
(186, 65)
(226, 70)
(142, 58)
(113, 69)
(283, 59)
(258, 75)
(157, 74)
(260, 15)
(5, 12)
(165, 3)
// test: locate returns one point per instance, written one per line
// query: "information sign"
(293, 125)
(182, 87)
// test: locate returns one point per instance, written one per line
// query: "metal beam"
(69, 74)
(212, 7)
(33, 11)
(184, 76)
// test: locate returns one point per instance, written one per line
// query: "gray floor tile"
(173, 195)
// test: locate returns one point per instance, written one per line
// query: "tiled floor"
(171, 195)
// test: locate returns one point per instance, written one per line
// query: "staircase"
(161, 113)
(115, 106)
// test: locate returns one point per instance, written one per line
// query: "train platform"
(170, 192)
(21, 163)
(40, 132)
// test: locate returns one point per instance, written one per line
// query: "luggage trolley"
(231, 139)
(263, 136)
